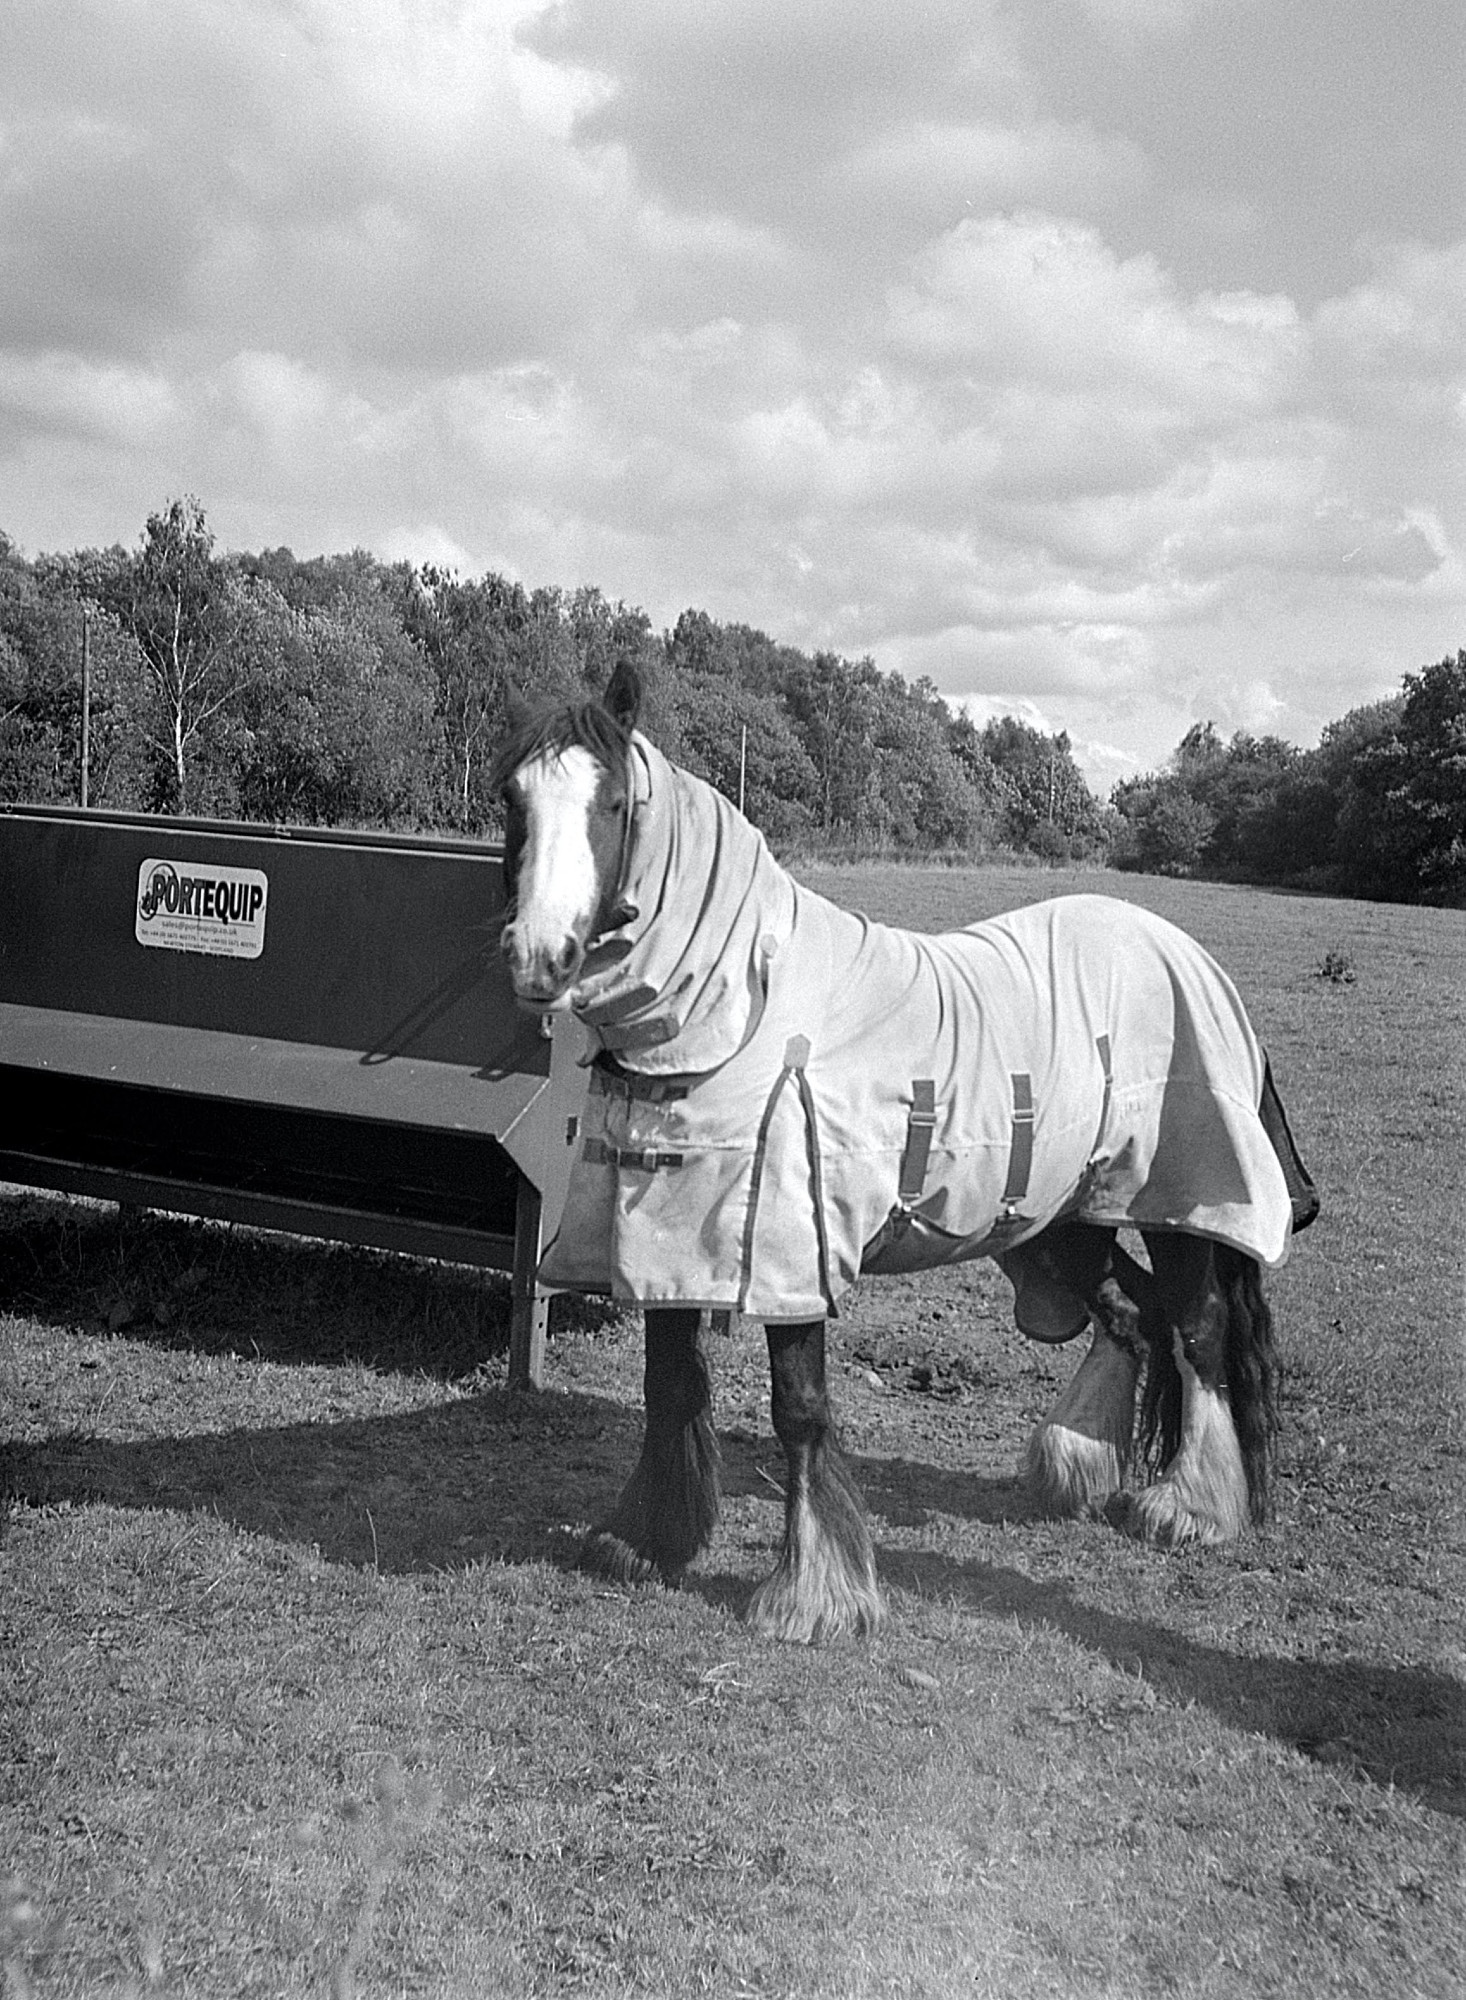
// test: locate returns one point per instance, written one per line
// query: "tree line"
(344, 690)
(341, 689)
(1377, 809)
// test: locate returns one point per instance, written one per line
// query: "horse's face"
(565, 818)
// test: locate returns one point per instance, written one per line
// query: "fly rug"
(784, 1095)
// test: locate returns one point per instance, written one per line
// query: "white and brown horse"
(783, 1095)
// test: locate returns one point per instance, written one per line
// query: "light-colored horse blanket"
(796, 1094)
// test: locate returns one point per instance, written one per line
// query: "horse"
(782, 1095)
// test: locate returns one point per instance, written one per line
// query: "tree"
(1238, 789)
(1402, 827)
(925, 796)
(44, 624)
(1212, 810)
(879, 764)
(341, 721)
(471, 635)
(317, 583)
(1279, 809)
(1199, 753)
(186, 612)
(832, 705)
(1046, 796)
(185, 608)
(744, 743)
(1166, 829)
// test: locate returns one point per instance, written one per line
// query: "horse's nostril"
(567, 956)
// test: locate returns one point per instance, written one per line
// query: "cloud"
(736, 106)
(65, 396)
(925, 170)
(383, 182)
(1392, 364)
(1034, 297)
(96, 238)
(841, 321)
(1155, 17)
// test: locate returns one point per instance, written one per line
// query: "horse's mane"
(558, 726)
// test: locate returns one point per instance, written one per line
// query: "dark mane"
(558, 726)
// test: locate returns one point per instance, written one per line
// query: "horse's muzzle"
(542, 976)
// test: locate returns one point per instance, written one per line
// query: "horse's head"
(562, 776)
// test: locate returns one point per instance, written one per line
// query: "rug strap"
(921, 1123)
(644, 1159)
(1020, 1155)
(1098, 1160)
(1102, 1046)
(817, 1187)
(796, 1056)
(612, 1080)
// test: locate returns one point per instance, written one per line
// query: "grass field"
(300, 1692)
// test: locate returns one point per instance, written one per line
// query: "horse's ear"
(516, 708)
(622, 699)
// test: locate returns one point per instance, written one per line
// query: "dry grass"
(300, 1694)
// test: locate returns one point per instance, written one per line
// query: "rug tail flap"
(1301, 1190)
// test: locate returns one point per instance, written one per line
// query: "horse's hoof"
(605, 1554)
(800, 1616)
(1160, 1516)
(1069, 1475)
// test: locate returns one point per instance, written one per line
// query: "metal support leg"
(530, 1308)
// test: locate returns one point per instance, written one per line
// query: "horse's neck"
(680, 981)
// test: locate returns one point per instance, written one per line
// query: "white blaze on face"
(557, 889)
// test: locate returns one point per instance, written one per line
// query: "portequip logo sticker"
(202, 906)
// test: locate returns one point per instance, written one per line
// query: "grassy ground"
(300, 1693)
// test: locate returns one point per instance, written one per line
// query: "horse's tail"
(1250, 1375)
(1159, 1424)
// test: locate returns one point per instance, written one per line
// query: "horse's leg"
(669, 1507)
(1207, 1324)
(825, 1583)
(1076, 1458)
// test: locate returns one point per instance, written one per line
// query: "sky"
(1103, 361)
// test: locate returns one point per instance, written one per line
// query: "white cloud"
(1156, 17)
(825, 319)
(65, 395)
(983, 164)
(420, 542)
(1035, 298)
(295, 412)
(386, 182)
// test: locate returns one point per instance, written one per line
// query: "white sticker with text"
(201, 906)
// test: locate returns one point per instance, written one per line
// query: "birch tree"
(186, 607)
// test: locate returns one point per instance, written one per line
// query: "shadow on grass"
(214, 1288)
(902, 1492)
(501, 1475)
(514, 1477)
(1402, 1726)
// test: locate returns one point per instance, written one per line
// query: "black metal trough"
(297, 1029)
